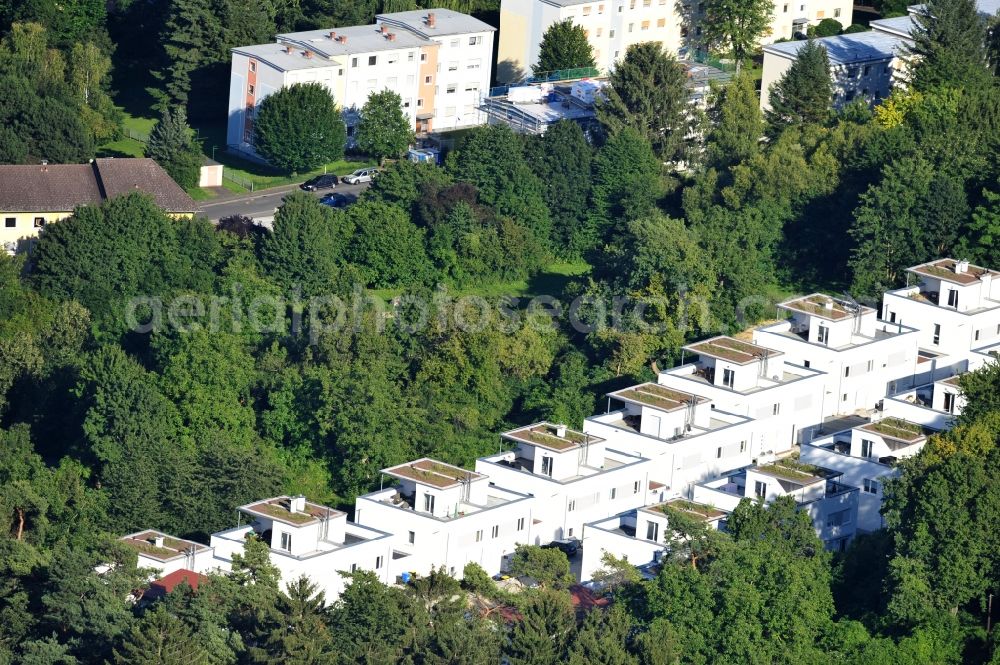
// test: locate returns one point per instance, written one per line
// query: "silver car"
(361, 175)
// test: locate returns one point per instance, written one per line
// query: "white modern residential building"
(614, 25)
(574, 477)
(438, 61)
(866, 456)
(854, 392)
(740, 377)
(863, 65)
(639, 536)
(684, 438)
(862, 358)
(308, 539)
(831, 504)
(955, 307)
(443, 516)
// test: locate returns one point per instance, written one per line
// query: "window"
(937, 333)
(718, 453)
(372, 60)
(759, 489)
(423, 57)
(286, 541)
(836, 14)
(635, 487)
(409, 56)
(411, 537)
(572, 505)
(428, 503)
(520, 524)
(824, 334)
(453, 43)
(410, 79)
(453, 66)
(586, 10)
(661, 22)
(10, 222)
(630, 25)
(871, 486)
(839, 518)
(479, 536)
(392, 58)
(474, 64)
(644, 25)
(354, 62)
(39, 222)
(406, 103)
(844, 398)
(427, 80)
(452, 87)
(776, 409)
(570, 532)
(652, 531)
(250, 89)
(253, 66)
(391, 82)
(866, 69)
(473, 41)
(646, 3)
(611, 33)
(600, 31)
(614, 493)
(847, 372)
(866, 447)
(354, 567)
(420, 103)
(785, 10)
(806, 364)
(600, 9)
(952, 298)
(949, 402)
(820, 14)
(728, 377)
(547, 466)
(743, 446)
(378, 562)
(495, 531)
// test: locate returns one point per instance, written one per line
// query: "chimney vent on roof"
(333, 35)
(158, 541)
(343, 39)
(385, 29)
(560, 431)
(430, 19)
(391, 36)
(961, 267)
(288, 49)
(307, 54)
(297, 504)
(828, 304)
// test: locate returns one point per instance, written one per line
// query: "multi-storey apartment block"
(574, 476)
(614, 25)
(438, 61)
(855, 393)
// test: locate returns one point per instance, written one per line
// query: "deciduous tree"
(384, 131)
(299, 128)
(735, 26)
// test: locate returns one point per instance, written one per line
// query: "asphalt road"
(261, 205)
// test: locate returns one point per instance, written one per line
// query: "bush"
(828, 27)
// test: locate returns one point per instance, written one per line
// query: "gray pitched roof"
(446, 22)
(360, 39)
(847, 49)
(63, 187)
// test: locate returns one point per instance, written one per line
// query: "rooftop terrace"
(896, 428)
(158, 545)
(823, 306)
(433, 473)
(657, 396)
(281, 509)
(950, 270)
(698, 510)
(554, 437)
(731, 349)
(794, 471)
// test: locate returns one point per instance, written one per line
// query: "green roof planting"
(434, 473)
(793, 470)
(732, 349)
(896, 428)
(144, 542)
(279, 508)
(656, 396)
(546, 435)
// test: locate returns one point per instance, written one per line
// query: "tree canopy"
(299, 128)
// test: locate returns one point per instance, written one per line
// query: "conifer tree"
(949, 45)
(804, 93)
(738, 123)
(563, 46)
(161, 639)
(170, 144)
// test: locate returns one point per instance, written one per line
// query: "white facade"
(614, 25)
(166, 554)
(439, 62)
(863, 358)
(442, 516)
(573, 477)
(753, 381)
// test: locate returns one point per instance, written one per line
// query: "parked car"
(568, 546)
(361, 175)
(328, 181)
(335, 200)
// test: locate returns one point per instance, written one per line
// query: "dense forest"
(106, 429)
